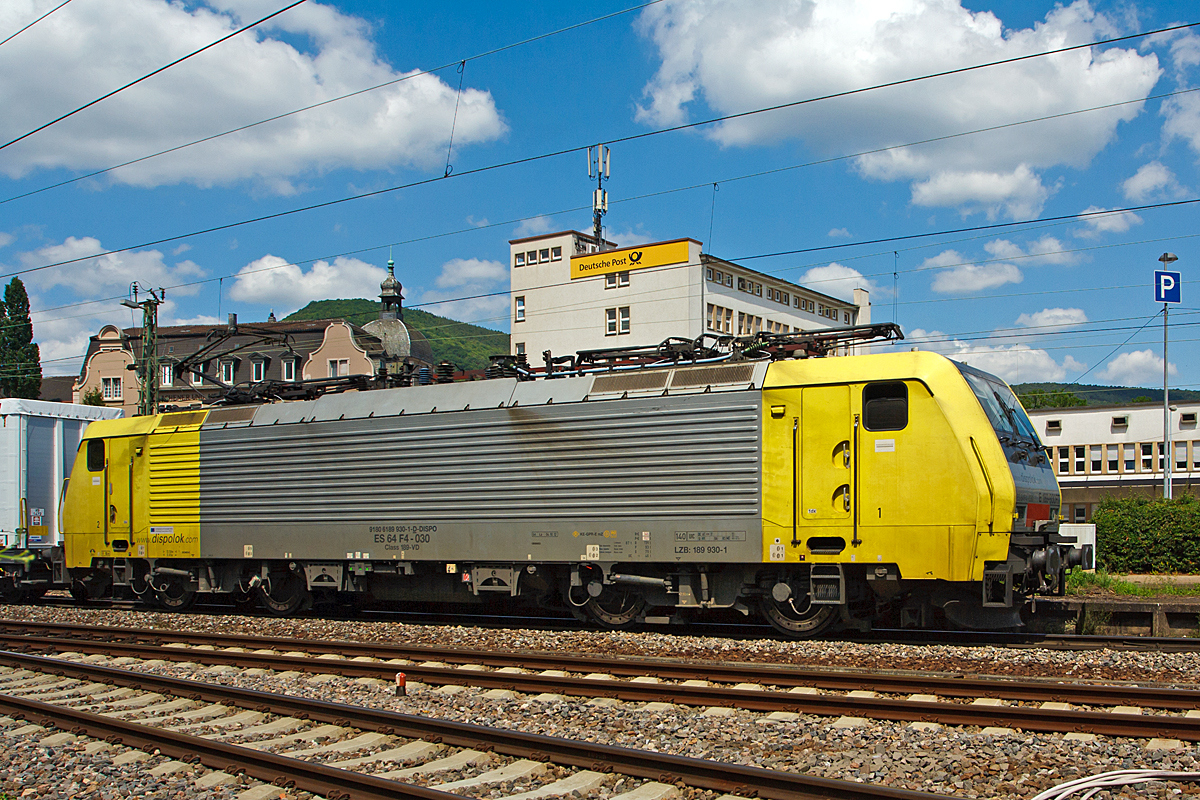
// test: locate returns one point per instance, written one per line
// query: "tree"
(20, 359)
(93, 397)
(1059, 398)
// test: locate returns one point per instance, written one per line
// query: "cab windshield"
(1000, 404)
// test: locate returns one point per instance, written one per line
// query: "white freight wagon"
(38, 441)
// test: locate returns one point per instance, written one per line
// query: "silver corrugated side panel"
(645, 458)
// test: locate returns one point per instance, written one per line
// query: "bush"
(1138, 535)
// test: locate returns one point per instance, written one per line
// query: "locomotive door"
(119, 484)
(826, 454)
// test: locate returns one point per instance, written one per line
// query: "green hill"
(1106, 395)
(461, 343)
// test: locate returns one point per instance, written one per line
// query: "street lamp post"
(1166, 258)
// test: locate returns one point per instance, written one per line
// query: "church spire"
(390, 294)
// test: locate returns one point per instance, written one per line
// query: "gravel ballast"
(962, 762)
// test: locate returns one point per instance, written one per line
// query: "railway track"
(924, 699)
(81, 698)
(738, 631)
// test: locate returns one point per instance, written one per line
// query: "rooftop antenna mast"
(147, 364)
(598, 162)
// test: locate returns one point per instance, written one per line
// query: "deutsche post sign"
(627, 258)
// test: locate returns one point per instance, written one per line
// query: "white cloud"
(1182, 121)
(1135, 369)
(534, 226)
(102, 44)
(272, 281)
(1003, 248)
(1046, 250)
(734, 57)
(975, 277)
(1151, 179)
(466, 271)
(961, 277)
(1048, 317)
(106, 273)
(6, 239)
(1106, 223)
(1020, 193)
(1016, 363)
(470, 290)
(839, 233)
(837, 280)
(629, 236)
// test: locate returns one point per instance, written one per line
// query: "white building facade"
(570, 294)
(1117, 451)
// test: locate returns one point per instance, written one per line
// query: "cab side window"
(885, 406)
(95, 455)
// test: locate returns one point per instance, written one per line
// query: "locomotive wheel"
(799, 620)
(289, 592)
(177, 596)
(614, 610)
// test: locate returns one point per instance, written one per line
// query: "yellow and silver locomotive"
(813, 492)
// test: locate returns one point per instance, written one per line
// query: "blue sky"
(1039, 300)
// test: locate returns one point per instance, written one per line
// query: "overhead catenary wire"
(12, 36)
(148, 75)
(637, 137)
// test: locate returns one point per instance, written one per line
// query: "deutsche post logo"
(635, 257)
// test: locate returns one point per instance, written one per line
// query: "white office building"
(569, 294)
(1117, 451)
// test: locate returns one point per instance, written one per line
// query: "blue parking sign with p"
(1167, 287)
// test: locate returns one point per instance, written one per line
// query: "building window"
(1080, 459)
(1113, 458)
(197, 376)
(1147, 458)
(1054, 426)
(544, 254)
(758, 290)
(519, 260)
(339, 367)
(1196, 455)
(227, 372)
(166, 375)
(1080, 514)
(1161, 460)
(531, 257)
(1187, 418)
(289, 369)
(610, 322)
(708, 273)
(623, 313)
(728, 280)
(821, 309)
(1096, 458)
(1130, 457)
(741, 284)
(1120, 422)
(614, 280)
(519, 315)
(1180, 449)
(111, 388)
(556, 254)
(847, 317)
(786, 298)
(520, 348)
(257, 371)
(1064, 460)
(622, 279)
